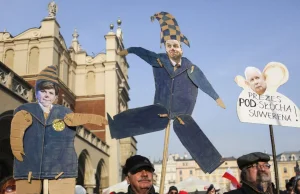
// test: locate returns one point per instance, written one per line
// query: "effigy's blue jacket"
(47, 152)
(175, 90)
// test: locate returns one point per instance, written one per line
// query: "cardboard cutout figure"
(42, 140)
(260, 102)
(176, 82)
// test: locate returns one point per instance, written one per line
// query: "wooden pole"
(46, 186)
(274, 158)
(165, 157)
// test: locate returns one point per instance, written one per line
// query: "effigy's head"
(174, 49)
(46, 88)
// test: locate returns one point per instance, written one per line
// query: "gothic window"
(9, 58)
(90, 83)
(33, 66)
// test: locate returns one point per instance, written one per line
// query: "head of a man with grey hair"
(255, 80)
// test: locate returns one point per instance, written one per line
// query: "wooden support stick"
(274, 158)
(165, 157)
(45, 186)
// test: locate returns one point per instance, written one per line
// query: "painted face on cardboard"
(256, 81)
(173, 49)
(46, 97)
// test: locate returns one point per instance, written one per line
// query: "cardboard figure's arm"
(20, 122)
(200, 80)
(76, 119)
(148, 56)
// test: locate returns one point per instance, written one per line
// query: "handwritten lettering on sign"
(274, 109)
(260, 102)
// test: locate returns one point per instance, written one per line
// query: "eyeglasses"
(266, 165)
(10, 188)
(252, 166)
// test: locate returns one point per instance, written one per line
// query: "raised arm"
(200, 80)
(148, 56)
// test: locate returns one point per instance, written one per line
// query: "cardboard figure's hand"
(123, 53)
(220, 103)
(76, 119)
(20, 122)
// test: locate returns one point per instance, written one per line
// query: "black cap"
(135, 162)
(173, 188)
(252, 158)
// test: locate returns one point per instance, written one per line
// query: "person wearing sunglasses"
(8, 186)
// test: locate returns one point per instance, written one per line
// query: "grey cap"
(252, 158)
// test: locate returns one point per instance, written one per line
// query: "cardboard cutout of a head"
(174, 49)
(255, 80)
(46, 86)
(259, 102)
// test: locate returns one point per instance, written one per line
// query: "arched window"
(34, 56)
(293, 157)
(90, 83)
(9, 58)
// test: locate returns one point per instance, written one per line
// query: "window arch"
(34, 56)
(90, 83)
(9, 58)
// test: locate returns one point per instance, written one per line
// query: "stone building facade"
(89, 84)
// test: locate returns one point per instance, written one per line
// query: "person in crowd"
(138, 171)
(173, 190)
(8, 186)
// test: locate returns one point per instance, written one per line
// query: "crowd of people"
(255, 178)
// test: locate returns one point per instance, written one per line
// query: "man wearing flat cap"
(139, 175)
(255, 172)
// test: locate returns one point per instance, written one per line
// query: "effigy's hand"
(123, 52)
(220, 103)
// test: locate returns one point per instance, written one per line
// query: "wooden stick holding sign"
(274, 158)
(260, 103)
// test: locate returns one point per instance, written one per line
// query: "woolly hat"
(50, 73)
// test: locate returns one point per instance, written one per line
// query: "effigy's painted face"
(173, 49)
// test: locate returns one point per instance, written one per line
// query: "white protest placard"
(260, 102)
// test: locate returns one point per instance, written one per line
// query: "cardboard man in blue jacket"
(176, 82)
(42, 140)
